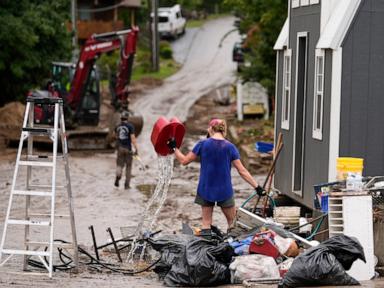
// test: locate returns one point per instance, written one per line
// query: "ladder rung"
(28, 222)
(36, 163)
(25, 252)
(44, 100)
(57, 244)
(32, 193)
(33, 130)
(46, 186)
(46, 215)
(37, 157)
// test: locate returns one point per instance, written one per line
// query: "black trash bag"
(187, 260)
(325, 264)
(346, 250)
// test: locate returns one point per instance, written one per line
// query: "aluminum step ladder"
(38, 220)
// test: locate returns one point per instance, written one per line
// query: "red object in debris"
(263, 244)
(163, 130)
(283, 272)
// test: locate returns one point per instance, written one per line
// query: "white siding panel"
(334, 133)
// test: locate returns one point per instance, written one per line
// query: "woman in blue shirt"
(217, 155)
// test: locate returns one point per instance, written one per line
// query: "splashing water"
(165, 167)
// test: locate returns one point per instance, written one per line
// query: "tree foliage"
(33, 34)
(261, 21)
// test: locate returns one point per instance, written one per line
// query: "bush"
(143, 60)
(165, 50)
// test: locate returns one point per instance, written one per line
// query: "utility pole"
(74, 31)
(155, 35)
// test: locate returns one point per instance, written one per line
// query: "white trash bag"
(253, 266)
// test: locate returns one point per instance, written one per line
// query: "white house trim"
(282, 40)
(327, 8)
(276, 136)
(334, 133)
(338, 24)
(299, 192)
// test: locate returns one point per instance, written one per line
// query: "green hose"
(317, 228)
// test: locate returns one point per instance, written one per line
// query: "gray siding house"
(329, 92)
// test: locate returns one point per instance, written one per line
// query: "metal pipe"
(263, 221)
(94, 241)
(109, 230)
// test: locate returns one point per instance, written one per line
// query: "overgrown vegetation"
(142, 65)
(32, 35)
(261, 21)
(195, 23)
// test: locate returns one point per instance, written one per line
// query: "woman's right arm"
(185, 159)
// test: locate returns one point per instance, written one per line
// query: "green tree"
(33, 34)
(261, 21)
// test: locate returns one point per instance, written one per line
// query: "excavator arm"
(81, 92)
(97, 44)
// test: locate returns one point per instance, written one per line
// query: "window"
(295, 3)
(298, 3)
(318, 101)
(286, 89)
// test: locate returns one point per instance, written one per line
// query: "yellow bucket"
(348, 164)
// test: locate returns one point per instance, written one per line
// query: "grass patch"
(196, 23)
(168, 67)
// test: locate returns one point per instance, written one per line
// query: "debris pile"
(11, 120)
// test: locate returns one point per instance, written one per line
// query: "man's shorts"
(223, 204)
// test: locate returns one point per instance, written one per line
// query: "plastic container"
(348, 164)
(264, 147)
(163, 130)
(354, 182)
(324, 203)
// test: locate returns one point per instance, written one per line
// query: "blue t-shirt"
(216, 157)
(124, 131)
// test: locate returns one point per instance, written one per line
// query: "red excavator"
(78, 85)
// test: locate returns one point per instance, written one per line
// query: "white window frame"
(298, 3)
(287, 87)
(317, 132)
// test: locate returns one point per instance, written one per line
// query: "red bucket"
(163, 130)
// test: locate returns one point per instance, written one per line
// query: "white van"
(171, 21)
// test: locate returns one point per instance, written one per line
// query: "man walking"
(125, 135)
